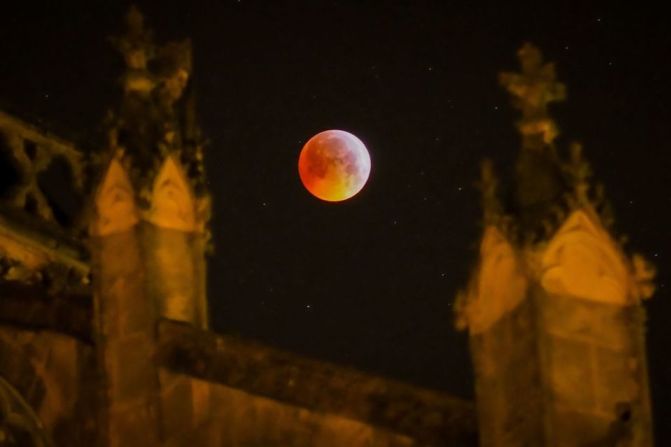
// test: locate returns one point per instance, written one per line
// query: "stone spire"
(539, 181)
(148, 233)
(533, 90)
(492, 208)
(156, 118)
(553, 307)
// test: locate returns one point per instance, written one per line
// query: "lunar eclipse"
(334, 165)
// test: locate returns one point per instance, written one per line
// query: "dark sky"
(370, 282)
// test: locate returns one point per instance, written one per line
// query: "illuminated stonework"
(30, 258)
(172, 203)
(487, 301)
(114, 203)
(583, 261)
(104, 337)
(32, 153)
(554, 307)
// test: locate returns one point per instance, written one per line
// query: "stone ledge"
(30, 307)
(430, 418)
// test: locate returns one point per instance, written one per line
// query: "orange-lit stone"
(583, 261)
(499, 287)
(334, 165)
(115, 203)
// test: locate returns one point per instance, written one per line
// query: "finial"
(488, 186)
(532, 90)
(644, 276)
(579, 172)
(156, 118)
(137, 49)
(174, 70)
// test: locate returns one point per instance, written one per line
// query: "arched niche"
(172, 202)
(499, 284)
(114, 203)
(583, 261)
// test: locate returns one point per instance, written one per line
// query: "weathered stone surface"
(574, 428)
(32, 152)
(582, 260)
(424, 416)
(508, 382)
(603, 324)
(564, 362)
(595, 366)
(41, 254)
(236, 418)
(52, 373)
(125, 337)
(115, 202)
(174, 260)
(29, 306)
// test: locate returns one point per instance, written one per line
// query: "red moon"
(334, 165)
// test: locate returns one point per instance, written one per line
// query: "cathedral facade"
(104, 335)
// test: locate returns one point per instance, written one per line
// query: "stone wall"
(197, 412)
(55, 375)
(563, 371)
(239, 393)
(594, 362)
(508, 385)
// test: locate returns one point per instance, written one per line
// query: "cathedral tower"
(554, 307)
(148, 233)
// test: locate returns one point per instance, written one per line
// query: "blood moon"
(334, 165)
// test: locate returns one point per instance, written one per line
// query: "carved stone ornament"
(533, 90)
(498, 287)
(114, 203)
(583, 261)
(32, 152)
(172, 202)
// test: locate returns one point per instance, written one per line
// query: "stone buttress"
(148, 235)
(554, 307)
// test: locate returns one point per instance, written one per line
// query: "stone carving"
(156, 117)
(19, 425)
(583, 261)
(498, 287)
(172, 205)
(579, 172)
(555, 231)
(644, 274)
(32, 152)
(548, 187)
(488, 186)
(539, 180)
(533, 90)
(114, 203)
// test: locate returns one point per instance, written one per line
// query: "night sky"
(370, 282)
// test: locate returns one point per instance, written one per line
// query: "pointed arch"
(114, 203)
(499, 285)
(582, 260)
(173, 205)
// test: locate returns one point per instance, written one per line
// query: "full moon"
(334, 165)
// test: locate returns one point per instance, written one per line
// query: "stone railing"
(35, 168)
(41, 192)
